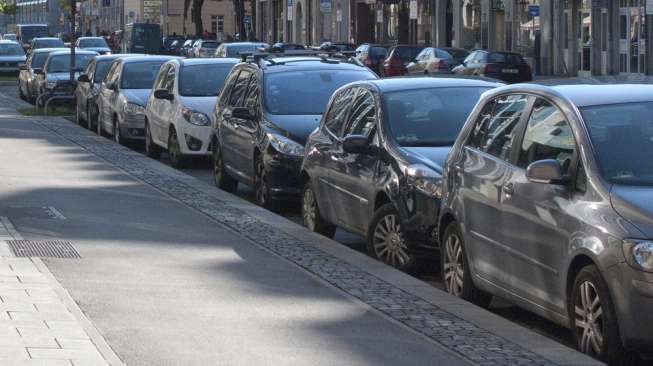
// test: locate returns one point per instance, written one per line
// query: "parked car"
(88, 89)
(45, 42)
(234, 49)
(546, 203)
(264, 115)
(459, 54)
(281, 47)
(337, 46)
(506, 66)
(27, 86)
(186, 47)
(11, 56)
(167, 45)
(123, 95)
(175, 47)
(431, 61)
(57, 69)
(177, 112)
(204, 48)
(372, 56)
(10, 37)
(374, 165)
(398, 58)
(97, 44)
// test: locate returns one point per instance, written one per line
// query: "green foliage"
(7, 9)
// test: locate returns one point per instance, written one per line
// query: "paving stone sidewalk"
(36, 325)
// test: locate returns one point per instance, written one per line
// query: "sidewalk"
(174, 271)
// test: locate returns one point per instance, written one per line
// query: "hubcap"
(589, 319)
(389, 243)
(454, 269)
(309, 209)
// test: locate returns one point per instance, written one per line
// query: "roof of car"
(49, 49)
(90, 38)
(403, 83)
(7, 41)
(208, 61)
(45, 38)
(586, 94)
(67, 52)
(295, 63)
(148, 58)
(117, 55)
(244, 43)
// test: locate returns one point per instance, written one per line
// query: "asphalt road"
(201, 169)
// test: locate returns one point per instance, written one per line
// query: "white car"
(177, 111)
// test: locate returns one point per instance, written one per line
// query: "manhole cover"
(45, 248)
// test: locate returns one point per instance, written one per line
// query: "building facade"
(218, 16)
(558, 37)
(47, 12)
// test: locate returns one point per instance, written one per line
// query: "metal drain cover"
(44, 248)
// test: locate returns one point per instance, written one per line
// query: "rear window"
(49, 43)
(406, 53)
(92, 42)
(442, 54)
(507, 58)
(101, 69)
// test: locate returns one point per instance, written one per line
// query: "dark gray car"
(547, 203)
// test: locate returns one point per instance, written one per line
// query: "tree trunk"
(238, 16)
(186, 6)
(196, 13)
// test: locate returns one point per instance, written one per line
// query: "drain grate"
(45, 248)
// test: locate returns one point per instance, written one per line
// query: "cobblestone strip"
(36, 327)
(464, 338)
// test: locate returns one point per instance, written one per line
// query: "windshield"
(203, 80)
(92, 42)
(234, 51)
(140, 75)
(622, 136)
(29, 32)
(61, 63)
(11, 37)
(429, 117)
(48, 43)
(101, 69)
(11, 50)
(287, 92)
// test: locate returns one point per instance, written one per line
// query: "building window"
(217, 23)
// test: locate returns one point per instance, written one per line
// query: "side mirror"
(22, 67)
(38, 71)
(163, 94)
(111, 85)
(83, 78)
(242, 113)
(358, 144)
(546, 171)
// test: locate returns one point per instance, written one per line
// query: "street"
(173, 271)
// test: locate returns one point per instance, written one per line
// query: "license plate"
(509, 71)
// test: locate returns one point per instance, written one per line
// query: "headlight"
(639, 253)
(196, 118)
(132, 108)
(424, 179)
(285, 145)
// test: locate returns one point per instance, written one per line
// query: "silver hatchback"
(548, 202)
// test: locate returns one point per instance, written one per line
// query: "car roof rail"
(324, 55)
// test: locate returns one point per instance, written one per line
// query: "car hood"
(12, 58)
(200, 104)
(136, 96)
(635, 205)
(59, 76)
(296, 127)
(97, 49)
(433, 157)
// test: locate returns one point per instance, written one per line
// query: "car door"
(157, 116)
(83, 90)
(108, 96)
(354, 173)
(245, 132)
(328, 151)
(540, 226)
(481, 171)
(231, 155)
(168, 107)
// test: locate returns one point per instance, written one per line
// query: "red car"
(398, 57)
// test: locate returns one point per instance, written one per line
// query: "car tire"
(177, 159)
(386, 240)
(117, 135)
(151, 149)
(261, 187)
(311, 216)
(454, 268)
(593, 319)
(221, 178)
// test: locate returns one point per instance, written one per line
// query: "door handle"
(508, 189)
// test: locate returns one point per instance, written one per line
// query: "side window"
(252, 97)
(337, 114)
(159, 83)
(362, 118)
(90, 69)
(239, 88)
(548, 136)
(480, 126)
(113, 73)
(499, 131)
(471, 57)
(170, 79)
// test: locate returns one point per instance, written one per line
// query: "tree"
(196, 15)
(7, 9)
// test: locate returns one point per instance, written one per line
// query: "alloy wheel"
(389, 243)
(589, 319)
(309, 209)
(454, 267)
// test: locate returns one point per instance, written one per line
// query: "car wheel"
(386, 240)
(221, 178)
(311, 215)
(151, 149)
(117, 135)
(177, 159)
(455, 271)
(261, 187)
(593, 318)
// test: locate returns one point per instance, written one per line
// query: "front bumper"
(133, 126)
(632, 293)
(419, 213)
(283, 174)
(194, 140)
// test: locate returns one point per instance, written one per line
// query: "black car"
(507, 66)
(374, 165)
(263, 116)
